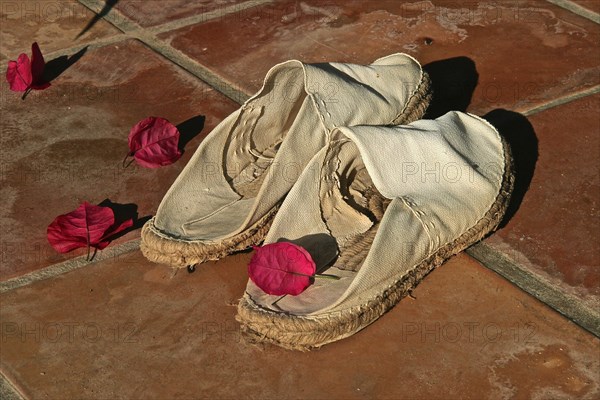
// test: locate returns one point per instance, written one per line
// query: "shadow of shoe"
(453, 82)
(97, 17)
(520, 135)
(190, 129)
(123, 212)
(54, 68)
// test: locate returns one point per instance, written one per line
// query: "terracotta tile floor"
(123, 327)
(51, 151)
(362, 31)
(151, 13)
(558, 219)
(53, 24)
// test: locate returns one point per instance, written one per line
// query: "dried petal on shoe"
(282, 268)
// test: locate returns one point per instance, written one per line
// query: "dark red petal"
(281, 268)
(88, 223)
(61, 242)
(153, 142)
(37, 68)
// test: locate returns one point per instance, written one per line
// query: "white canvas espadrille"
(226, 196)
(380, 207)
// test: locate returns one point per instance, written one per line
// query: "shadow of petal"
(123, 212)
(54, 68)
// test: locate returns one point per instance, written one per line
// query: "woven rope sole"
(161, 248)
(180, 253)
(305, 333)
(417, 104)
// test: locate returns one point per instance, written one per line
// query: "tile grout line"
(497, 261)
(72, 264)
(94, 44)
(222, 85)
(8, 391)
(114, 17)
(206, 16)
(133, 30)
(562, 100)
(577, 9)
(567, 305)
(218, 83)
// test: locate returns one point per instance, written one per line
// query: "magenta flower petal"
(25, 74)
(18, 74)
(281, 268)
(153, 142)
(74, 230)
(87, 224)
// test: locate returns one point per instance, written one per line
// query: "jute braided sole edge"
(417, 104)
(181, 253)
(162, 249)
(305, 333)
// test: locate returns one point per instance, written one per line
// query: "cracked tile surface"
(152, 13)
(524, 69)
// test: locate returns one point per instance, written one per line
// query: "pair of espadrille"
(334, 157)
